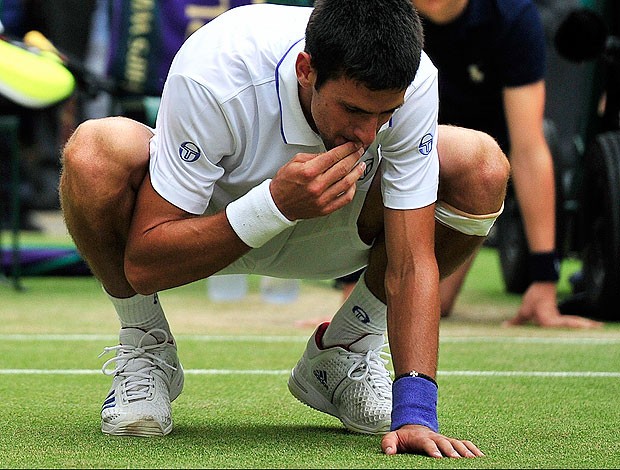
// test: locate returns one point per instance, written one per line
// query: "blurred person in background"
(491, 60)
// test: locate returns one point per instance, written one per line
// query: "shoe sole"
(309, 396)
(139, 428)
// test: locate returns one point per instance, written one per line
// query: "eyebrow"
(364, 111)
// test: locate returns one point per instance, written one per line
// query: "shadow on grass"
(244, 446)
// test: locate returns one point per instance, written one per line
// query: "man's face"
(343, 110)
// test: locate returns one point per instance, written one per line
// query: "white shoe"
(148, 376)
(351, 384)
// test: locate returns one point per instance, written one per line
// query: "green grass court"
(529, 398)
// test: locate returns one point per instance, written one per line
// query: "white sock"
(141, 311)
(360, 314)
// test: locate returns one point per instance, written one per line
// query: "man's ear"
(306, 75)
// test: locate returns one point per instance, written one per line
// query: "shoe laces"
(137, 384)
(372, 364)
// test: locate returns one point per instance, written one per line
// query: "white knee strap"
(469, 224)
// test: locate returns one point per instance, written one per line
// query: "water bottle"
(227, 287)
(279, 291)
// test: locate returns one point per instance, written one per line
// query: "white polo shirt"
(230, 117)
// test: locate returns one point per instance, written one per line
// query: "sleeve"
(524, 49)
(191, 138)
(410, 162)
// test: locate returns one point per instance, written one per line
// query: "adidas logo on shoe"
(110, 401)
(321, 376)
(358, 389)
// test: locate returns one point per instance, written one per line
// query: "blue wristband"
(414, 401)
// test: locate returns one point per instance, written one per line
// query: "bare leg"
(450, 286)
(473, 177)
(104, 163)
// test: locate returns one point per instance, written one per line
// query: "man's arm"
(412, 291)
(168, 247)
(532, 168)
(532, 164)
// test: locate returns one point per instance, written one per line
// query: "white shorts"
(322, 248)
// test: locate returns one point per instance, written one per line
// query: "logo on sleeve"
(189, 152)
(426, 144)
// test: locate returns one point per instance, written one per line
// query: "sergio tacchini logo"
(426, 144)
(189, 152)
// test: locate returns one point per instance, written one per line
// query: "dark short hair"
(375, 42)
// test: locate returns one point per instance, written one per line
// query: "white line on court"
(303, 339)
(446, 373)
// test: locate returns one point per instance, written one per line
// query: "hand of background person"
(416, 439)
(539, 306)
(312, 185)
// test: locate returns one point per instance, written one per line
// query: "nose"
(366, 130)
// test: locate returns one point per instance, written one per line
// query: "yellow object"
(38, 40)
(33, 80)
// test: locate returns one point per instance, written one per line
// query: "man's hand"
(313, 185)
(421, 440)
(539, 306)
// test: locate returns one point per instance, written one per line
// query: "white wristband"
(255, 218)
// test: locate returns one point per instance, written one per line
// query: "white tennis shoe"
(147, 378)
(351, 384)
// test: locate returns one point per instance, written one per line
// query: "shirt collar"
(294, 127)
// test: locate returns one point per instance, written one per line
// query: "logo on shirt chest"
(475, 74)
(370, 164)
(189, 152)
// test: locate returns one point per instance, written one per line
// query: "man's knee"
(474, 171)
(493, 169)
(108, 151)
(78, 155)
